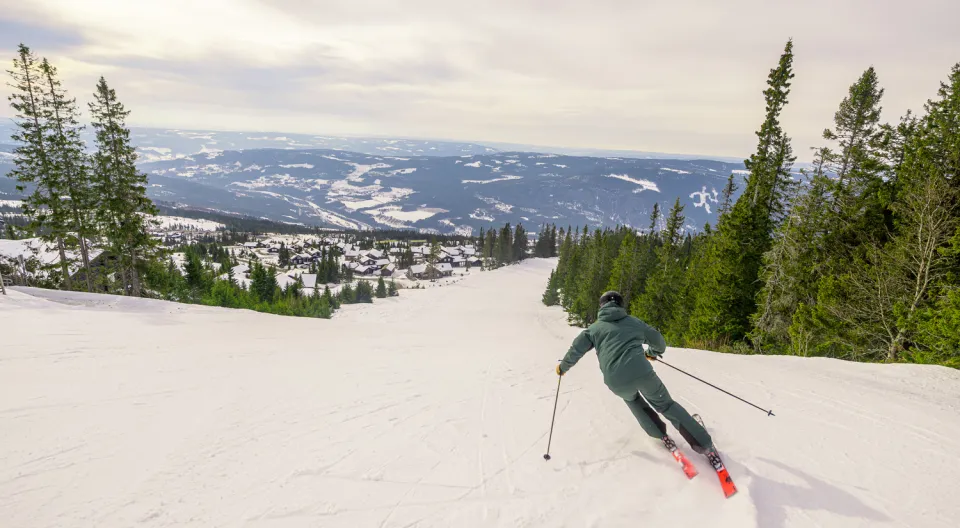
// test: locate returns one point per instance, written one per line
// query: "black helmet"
(611, 296)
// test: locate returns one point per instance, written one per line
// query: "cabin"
(301, 259)
(388, 270)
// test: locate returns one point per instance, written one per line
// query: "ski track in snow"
(121, 412)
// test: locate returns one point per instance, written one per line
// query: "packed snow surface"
(119, 412)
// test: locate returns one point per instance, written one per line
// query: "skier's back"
(619, 339)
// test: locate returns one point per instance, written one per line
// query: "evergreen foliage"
(860, 261)
(121, 190)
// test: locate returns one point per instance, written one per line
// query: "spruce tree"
(505, 251)
(364, 292)
(727, 295)
(519, 244)
(552, 244)
(656, 305)
(381, 289)
(35, 163)
(551, 297)
(71, 169)
(122, 191)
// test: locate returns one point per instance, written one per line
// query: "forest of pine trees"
(75, 199)
(858, 260)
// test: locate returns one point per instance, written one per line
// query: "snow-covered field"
(169, 222)
(432, 409)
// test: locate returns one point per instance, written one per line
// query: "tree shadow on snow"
(772, 498)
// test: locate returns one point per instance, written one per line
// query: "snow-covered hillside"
(432, 409)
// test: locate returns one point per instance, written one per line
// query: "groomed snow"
(121, 412)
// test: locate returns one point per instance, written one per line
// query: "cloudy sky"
(684, 76)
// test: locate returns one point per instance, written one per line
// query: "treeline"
(207, 277)
(77, 200)
(859, 260)
(500, 247)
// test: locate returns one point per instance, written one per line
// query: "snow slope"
(122, 412)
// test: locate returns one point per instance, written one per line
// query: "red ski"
(726, 482)
(688, 468)
(729, 488)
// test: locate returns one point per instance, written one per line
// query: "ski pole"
(769, 413)
(552, 420)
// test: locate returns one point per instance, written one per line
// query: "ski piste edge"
(688, 468)
(726, 481)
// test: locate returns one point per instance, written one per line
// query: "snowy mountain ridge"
(430, 186)
(151, 413)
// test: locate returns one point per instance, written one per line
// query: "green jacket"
(619, 339)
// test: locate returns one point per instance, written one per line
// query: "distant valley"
(359, 183)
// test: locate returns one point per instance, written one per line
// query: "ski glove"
(559, 372)
(651, 354)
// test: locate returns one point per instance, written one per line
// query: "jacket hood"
(611, 312)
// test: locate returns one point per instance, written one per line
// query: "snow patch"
(484, 182)
(297, 166)
(703, 198)
(645, 185)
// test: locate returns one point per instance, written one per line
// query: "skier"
(619, 339)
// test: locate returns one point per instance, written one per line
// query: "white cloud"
(669, 77)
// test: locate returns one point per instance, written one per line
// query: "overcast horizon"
(615, 75)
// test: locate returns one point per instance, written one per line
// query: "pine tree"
(727, 295)
(328, 296)
(364, 292)
(623, 276)
(490, 246)
(655, 218)
(519, 244)
(830, 222)
(263, 283)
(657, 304)
(552, 244)
(35, 163)
(347, 294)
(381, 289)
(791, 271)
(392, 289)
(551, 297)
(122, 191)
(505, 251)
(726, 200)
(71, 170)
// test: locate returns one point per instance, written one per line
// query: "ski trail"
(433, 410)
